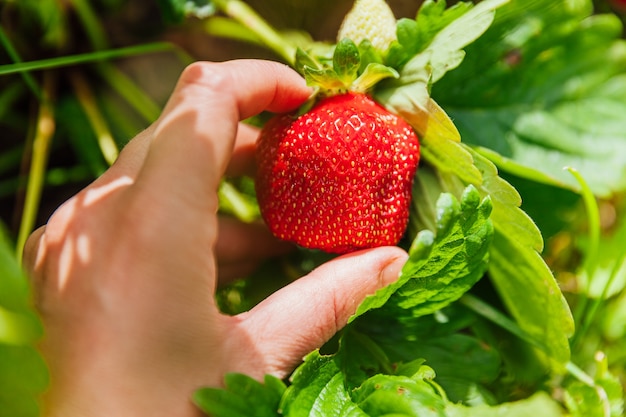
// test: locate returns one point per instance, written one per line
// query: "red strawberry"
(339, 177)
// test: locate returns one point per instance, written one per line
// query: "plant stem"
(69, 60)
(235, 202)
(485, 310)
(244, 14)
(44, 131)
(583, 314)
(13, 54)
(86, 98)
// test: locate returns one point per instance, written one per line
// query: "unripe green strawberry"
(339, 177)
(372, 20)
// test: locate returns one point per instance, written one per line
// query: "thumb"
(307, 313)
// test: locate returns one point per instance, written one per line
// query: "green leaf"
(305, 59)
(369, 55)
(516, 268)
(23, 373)
(346, 60)
(552, 93)
(481, 364)
(433, 16)
(241, 395)
(540, 404)
(371, 75)
(601, 396)
(444, 340)
(445, 51)
(397, 395)
(326, 79)
(90, 57)
(520, 274)
(443, 263)
(318, 390)
(446, 34)
(359, 357)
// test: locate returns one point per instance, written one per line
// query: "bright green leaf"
(518, 271)
(372, 74)
(317, 390)
(522, 278)
(396, 395)
(23, 373)
(241, 395)
(540, 404)
(552, 93)
(443, 263)
(445, 51)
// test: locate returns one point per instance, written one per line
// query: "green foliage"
(241, 395)
(23, 374)
(551, 93)
(444, 263)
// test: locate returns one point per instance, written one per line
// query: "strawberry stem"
(244, 14)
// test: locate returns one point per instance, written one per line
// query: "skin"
(125, 271)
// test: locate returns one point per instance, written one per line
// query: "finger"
(195, 136)
(130, 159)
(241, 247)
(307, 313)
(242, 241)
(242, 161)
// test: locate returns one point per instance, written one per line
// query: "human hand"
(125, 271)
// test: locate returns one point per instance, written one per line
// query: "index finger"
(194, 138)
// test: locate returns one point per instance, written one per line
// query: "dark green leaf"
(304, 59)
(241, 395)
(360, 357)
(175, 11)
(369, 55)
(346, 60)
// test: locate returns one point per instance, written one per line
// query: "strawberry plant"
(494, 154)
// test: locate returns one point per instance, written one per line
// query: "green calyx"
(357, 61)
(352, 69)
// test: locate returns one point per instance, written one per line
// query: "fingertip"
(366, 272)
(314, 308)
